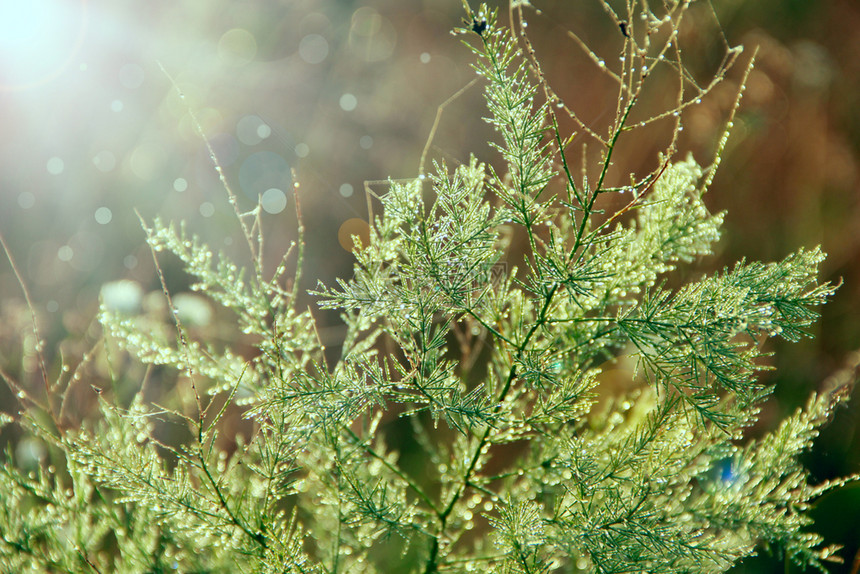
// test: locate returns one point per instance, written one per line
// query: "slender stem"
(597, 190)
(570, 182)
(38, 338)
(300, 241)
(412, 484)
(465, 482)
(257, 537)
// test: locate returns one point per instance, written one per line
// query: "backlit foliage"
(491, 362)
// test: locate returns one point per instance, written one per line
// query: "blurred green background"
(347, 91)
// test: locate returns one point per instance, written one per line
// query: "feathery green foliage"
(491, 361)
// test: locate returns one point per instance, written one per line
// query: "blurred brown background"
(346, 91)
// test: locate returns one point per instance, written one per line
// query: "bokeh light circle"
(237, 47)
(251, 130)
(104, 161)
(65, 253)
(313, 49)
(348, 102)
(123, 296)
(147, 160)
(26, 200)
(88, 249)
(302, 149)
(130, 261)
(372, 36)
(273, 201)
(55, 166)
(262, 171)
(103, 215)
(353, 227)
